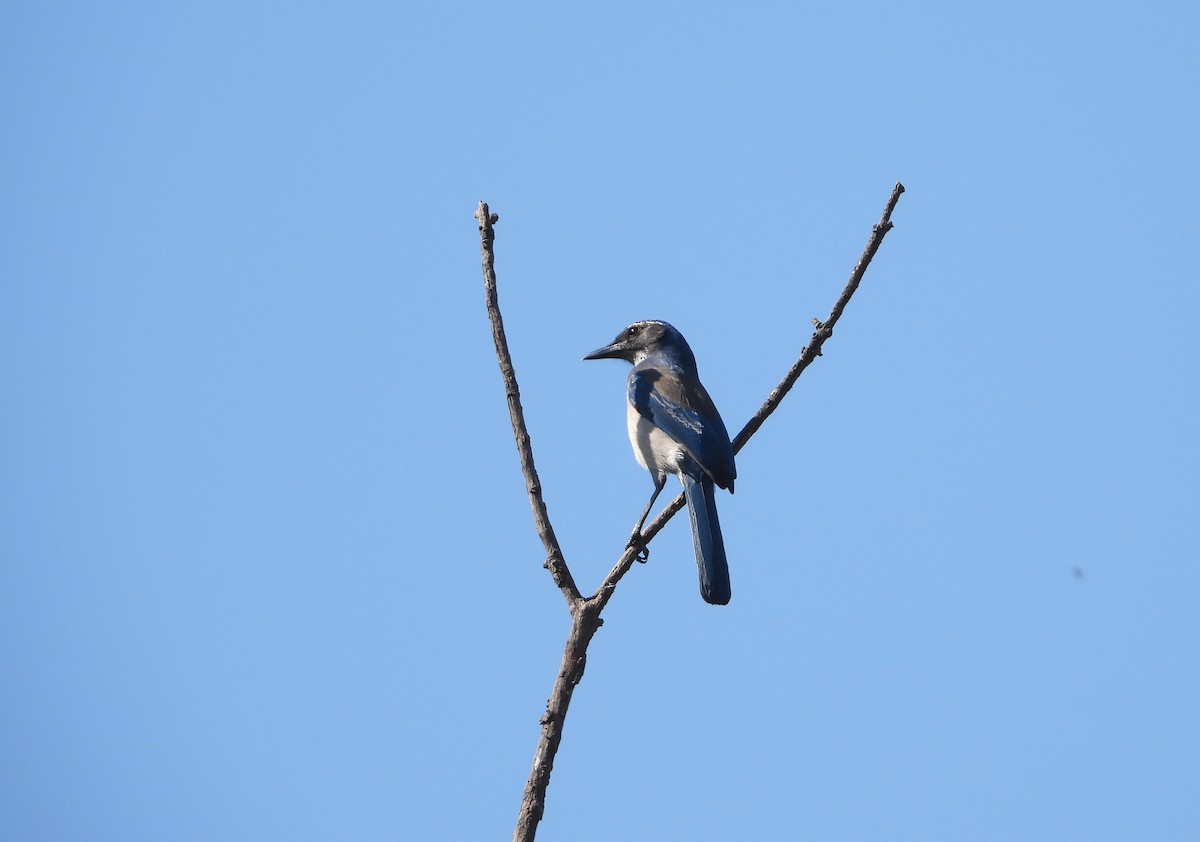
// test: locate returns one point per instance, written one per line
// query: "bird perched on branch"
(675, 429)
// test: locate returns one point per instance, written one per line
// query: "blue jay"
(674, 428)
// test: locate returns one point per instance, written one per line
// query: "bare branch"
(585, 613)
(823, 331)
(555, 562)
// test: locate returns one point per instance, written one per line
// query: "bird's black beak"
(608, 352)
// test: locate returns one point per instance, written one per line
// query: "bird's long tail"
(706, 536)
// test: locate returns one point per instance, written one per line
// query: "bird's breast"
(655, 451)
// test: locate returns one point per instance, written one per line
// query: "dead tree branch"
(555, 562)
(585, 613)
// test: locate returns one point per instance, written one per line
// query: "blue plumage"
(675, 428)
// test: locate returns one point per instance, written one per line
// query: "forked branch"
(585, 612)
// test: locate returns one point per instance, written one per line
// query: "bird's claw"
(643, 552)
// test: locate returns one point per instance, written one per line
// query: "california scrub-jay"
(674, 428)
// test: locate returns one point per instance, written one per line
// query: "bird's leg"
(635, 539)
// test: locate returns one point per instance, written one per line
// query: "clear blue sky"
(267, 569)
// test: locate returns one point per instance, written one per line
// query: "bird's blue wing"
(681, 408)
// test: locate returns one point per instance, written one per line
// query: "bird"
(675, 428)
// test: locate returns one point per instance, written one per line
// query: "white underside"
(655, 451)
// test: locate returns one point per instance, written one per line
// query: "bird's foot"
(643, 552)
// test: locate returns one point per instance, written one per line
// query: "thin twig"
(555, 562)
(824, 329)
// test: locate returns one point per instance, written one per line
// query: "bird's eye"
(632, 331)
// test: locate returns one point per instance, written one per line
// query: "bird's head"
(640, 340)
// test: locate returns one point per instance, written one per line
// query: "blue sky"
(267, 569)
